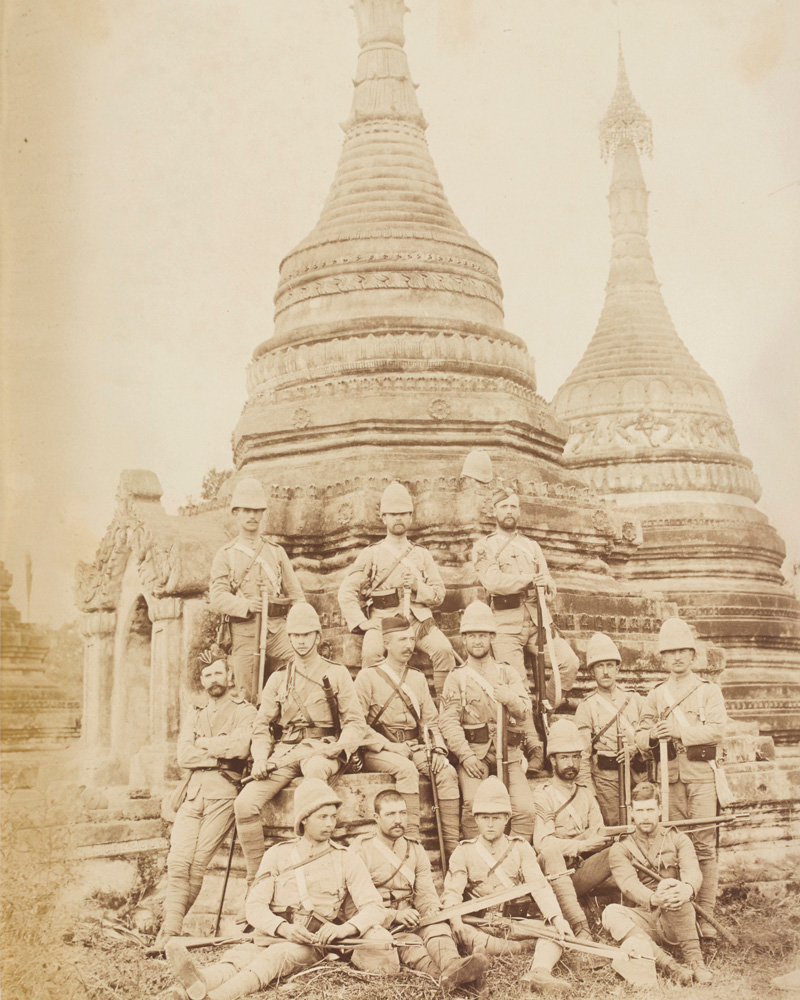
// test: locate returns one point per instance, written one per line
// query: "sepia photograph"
(400, 565)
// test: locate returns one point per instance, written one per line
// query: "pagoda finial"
(380, 21)
(625, 122)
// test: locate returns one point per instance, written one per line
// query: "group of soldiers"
(375, 900)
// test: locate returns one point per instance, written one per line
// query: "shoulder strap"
(601, 732)
(397, 691)
(480, 849)
(672, 704)
(401, 867)
(377, 584)
(566, 802)
(235, 587)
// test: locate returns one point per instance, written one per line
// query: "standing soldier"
(396, 576)
(475, 694)
(315, 704)
(251, 577)
(510, 567)
(404, 737)
(214, 744)
(690, 714)
(569, 826)
(663, 912)
(399, 868)
(491, 863)
(606, 719)
(295, 907)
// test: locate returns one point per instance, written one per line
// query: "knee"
(551, 859)
(616, 921)
(246, 806)
(447, 782)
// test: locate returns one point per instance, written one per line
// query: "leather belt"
(298, 733)
(398, 735)
(381, 602)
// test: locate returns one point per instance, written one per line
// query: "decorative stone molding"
(98, 623)
(640, 477)
(164, 608)
(439, 409)
(646, 429)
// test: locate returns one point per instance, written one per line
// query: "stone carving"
(302, 418)
(625, 122)
(646, 429)
(636, 477)
(350, 281)
(388, 256)
(439, 409)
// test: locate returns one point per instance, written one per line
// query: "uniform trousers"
(494, 940)
(695, 800)
(406, 772)
(243, 660)
(592, 871)
(510, 647)
(606, 787)
(665, 927)
(428, 637)
(523, 808)
(255, 795)
(198, 831)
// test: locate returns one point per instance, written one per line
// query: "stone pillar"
(98, 629)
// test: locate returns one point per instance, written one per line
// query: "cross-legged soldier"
(401, 872)
(492, 862)
(402, 717)
(662, 913)
(690, 714)
(474, 694)
(315, 704)
(606, 719)
(296, 907)
(213, 744)
(390, 574)
(569, 828)
(250, 577)
(510, 566)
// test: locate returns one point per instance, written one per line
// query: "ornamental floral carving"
(439, 409)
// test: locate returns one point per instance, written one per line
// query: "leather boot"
(666, 962)
(693, 956)
(454, 969)
(239, 985)
(450, 814)
(185, 970)
(412, 808)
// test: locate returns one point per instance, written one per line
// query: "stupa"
(648, 428)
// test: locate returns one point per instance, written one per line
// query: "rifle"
(542, 708)
(700, 910)
(225, 882)
(407, 603)
(344, 944)
(501, 744)
(426, 735)
(663, 773)
(262, 620)
(622, 771)
(692, 824)
(544, 618)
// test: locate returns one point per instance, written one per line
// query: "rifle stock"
(691, 824)
(435, 792)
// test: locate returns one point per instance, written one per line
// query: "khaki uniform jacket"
(230, 589)
(229, 729)
(509, 568)
(666, 851)
(374, 691)
(468, 870)
(294, 696)
(563, 826)
(466, 704)
(370, 567)
(411, 885)
(334, 878)
(592, 714)
(698, 719)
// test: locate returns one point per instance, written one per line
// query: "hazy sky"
(162, 156)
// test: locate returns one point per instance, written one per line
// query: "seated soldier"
(663, 914)
(474, 695)
(315, 706)
(295, 906)
(401, 871)
(493, 862)
(569, 828)
(606, 719)
(401, 716)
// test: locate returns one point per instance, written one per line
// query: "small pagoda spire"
(624, 122)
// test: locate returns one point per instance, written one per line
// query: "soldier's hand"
(295, 933)
(561, 927)
(595, 841)
(408, 578)
(260, 769)
(255, 604)
(503, 693)
(475, 768)
(438, 763)
(332, 749)
(332, 932)
(201, 742)
(661, 730)
(407, 918)
(401, 749)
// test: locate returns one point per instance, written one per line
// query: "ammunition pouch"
(477, 734)
(278, 607)
(606, 762)
(515, 738)
(382, 602)
(300, 918)
(639, 762)
(672, 750)
(518, 907)
(237, 764)
(702, 751)
(506, 602)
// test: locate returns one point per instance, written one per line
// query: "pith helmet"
(478, 466)
(491, 797)
(396, 499)
(312, 794)
(249, 493)
(564, 738)
(477, 617)
(302, 618)
(601, 647)
(675, 633)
